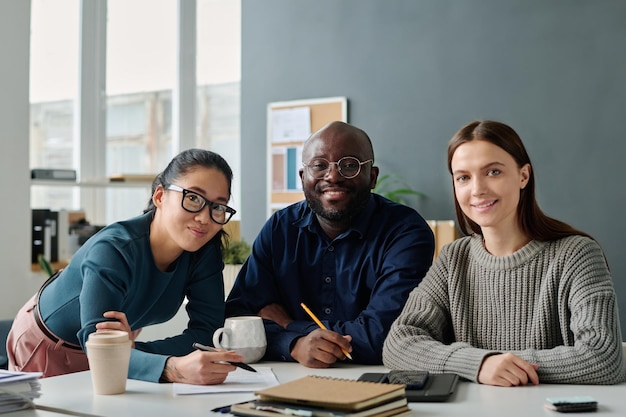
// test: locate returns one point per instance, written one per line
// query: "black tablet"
(437, 387)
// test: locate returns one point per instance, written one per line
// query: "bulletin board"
(289, 124)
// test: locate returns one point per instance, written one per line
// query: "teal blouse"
(115, 270)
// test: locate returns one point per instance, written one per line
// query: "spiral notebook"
(395, 408)
(332, 393)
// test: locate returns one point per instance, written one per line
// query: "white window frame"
(90, 113)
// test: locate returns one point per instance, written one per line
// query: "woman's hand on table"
(507, 370)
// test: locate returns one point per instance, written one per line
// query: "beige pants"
(30, 350)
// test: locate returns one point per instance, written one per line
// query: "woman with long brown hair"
(524, 298)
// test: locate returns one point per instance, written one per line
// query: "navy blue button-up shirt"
(356, 284)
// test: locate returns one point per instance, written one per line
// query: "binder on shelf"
(53, 174)
(64, 236)
(51, 233)
(38, 233)
(67, 243)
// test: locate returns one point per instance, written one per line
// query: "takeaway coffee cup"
(108, 353)
(245, 335)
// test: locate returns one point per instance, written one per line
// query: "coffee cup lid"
(108, 337)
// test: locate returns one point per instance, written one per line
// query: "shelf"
(55, 266)
(93, 184)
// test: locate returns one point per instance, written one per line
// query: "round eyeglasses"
(348, 166)
(194, 203)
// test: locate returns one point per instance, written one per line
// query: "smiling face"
(487, 183)
(174, 229)
(334, 198)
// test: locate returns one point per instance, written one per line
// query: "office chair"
(5, 326)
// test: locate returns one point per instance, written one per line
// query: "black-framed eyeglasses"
(194, 203)
(348, 166)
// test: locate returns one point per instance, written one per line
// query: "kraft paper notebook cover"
(332, 393)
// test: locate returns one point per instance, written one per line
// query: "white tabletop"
(74, 392)
(34, 413)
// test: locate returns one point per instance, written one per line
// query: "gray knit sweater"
(551, 303)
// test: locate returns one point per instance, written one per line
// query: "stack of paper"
(315, 396)
(18, 390)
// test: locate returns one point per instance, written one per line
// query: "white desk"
(74, 392)
(34, 413)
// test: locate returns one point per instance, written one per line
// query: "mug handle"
(217, 335)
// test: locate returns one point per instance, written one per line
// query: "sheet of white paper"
(291, 125)
(237, 381)
(7, 377)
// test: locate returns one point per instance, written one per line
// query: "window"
(53, 90)
(218, 75)
(141, 71)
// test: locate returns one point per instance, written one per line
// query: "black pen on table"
(241, 365)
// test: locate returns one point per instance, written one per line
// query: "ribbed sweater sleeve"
(551, 303)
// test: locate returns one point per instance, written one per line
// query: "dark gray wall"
(415, 71)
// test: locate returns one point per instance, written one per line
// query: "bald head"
(339, 131)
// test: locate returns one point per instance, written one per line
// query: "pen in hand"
(321, 326)
(241, 365)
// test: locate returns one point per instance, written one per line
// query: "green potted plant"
(396, 189)
(234, 254)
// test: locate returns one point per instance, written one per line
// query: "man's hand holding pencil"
(321, 348)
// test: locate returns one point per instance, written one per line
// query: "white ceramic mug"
(245, 335)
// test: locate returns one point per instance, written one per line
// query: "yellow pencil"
(321, 325)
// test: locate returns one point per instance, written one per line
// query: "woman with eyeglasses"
(136, 273)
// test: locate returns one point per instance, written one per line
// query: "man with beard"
(351, 256)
